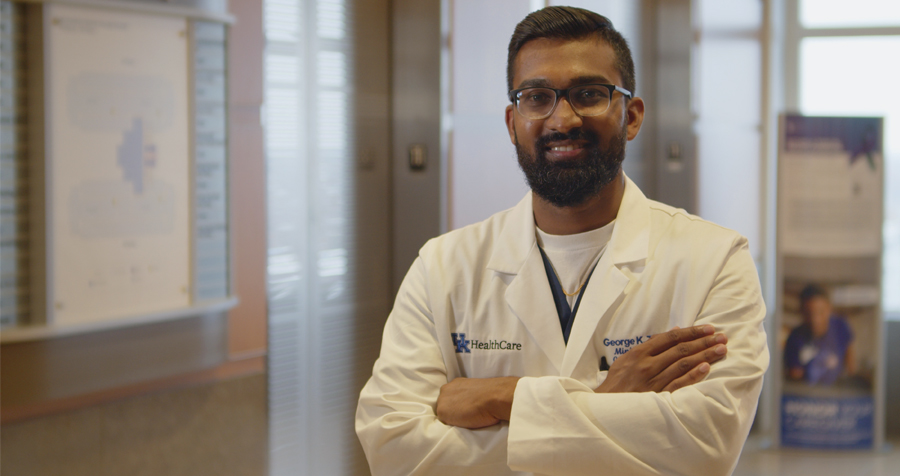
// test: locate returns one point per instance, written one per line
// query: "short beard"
(571, 183)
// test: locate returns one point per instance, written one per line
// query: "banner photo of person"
(830, 204)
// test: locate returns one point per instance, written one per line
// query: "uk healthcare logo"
(459, 340)
(464, 346)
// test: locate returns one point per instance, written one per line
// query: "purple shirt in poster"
(822, 358)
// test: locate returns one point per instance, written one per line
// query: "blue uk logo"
(459, 340)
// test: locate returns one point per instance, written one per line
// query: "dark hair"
(811, 291)
(570, 23)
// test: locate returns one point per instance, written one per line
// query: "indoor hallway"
(756, 460)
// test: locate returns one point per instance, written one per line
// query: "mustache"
(575, 134)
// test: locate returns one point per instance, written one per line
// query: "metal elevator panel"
(676, 143)
(416, 121)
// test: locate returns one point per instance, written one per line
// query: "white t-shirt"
(574, 256)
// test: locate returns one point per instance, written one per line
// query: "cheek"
(613, 123)
(527, 132)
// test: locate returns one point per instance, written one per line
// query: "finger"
(686, 365)
(689, 348)
(664, 341)
(695, 375)
(659, 363)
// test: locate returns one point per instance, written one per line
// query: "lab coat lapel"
(528, 294)
(614, 275)
(603, 292)
(529, 297)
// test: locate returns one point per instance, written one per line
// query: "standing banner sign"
(830, 202)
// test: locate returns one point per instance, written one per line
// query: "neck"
(595, 212)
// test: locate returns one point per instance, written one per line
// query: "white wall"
(484, 176)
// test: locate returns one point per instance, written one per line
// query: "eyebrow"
(543, 83)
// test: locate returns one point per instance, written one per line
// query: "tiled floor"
(758, 461)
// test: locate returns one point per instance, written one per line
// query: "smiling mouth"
(571, 145)
(566, 148)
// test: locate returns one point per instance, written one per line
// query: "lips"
(559, 146)
(566, 148)
(565, 151)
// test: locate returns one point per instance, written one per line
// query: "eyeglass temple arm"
(624, 91)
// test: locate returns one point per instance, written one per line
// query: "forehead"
(563, 62)
(817, 302)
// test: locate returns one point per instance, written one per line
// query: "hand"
(666, 362)
(476, 402)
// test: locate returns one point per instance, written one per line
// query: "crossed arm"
(665, 363)
(674, 405)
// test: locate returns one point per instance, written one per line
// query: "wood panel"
(247, 321)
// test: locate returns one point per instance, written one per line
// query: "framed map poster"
(117, 163)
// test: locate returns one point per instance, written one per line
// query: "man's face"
(817, 313)
(568, 158)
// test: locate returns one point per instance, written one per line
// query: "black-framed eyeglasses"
(585, 99)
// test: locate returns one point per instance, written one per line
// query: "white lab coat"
(662, 268)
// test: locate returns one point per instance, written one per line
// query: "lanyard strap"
(566, 315)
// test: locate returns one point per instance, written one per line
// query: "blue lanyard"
(566, 315)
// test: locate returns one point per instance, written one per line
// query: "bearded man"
(584, 330)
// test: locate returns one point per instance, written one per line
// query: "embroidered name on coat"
(465, 346)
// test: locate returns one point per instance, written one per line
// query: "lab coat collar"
(516, 253)
(516, 239)
(630, 239)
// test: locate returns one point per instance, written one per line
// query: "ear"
(635, 112)
(511, 124)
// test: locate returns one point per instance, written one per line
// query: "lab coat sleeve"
(559, 426)
(395, 418)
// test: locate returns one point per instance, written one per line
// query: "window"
(327, 133)
(846, 66)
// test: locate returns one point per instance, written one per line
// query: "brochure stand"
(829, 355)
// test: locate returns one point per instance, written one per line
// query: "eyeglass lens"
(590, 100)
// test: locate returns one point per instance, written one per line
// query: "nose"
(563, 118)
